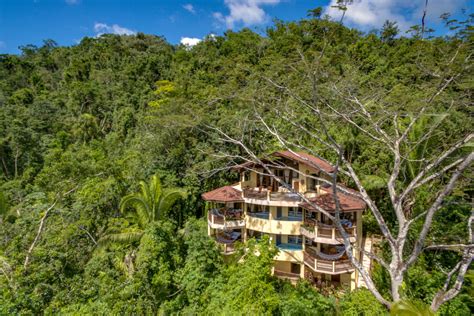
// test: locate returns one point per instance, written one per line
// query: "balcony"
(290, 218)
(290, 252)
(227, 249)
(267, 197)
(317, 263)
(290, 247)
(261, 215)
(226, 241)
(256, 194)
(286, 275)
(285, 196)
(325, 233)
(225, 218)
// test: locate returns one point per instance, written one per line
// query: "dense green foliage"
(83, 125)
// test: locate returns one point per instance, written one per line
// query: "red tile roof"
(326, 202)
(306, 159)
(223, 194)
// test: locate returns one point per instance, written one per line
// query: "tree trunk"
(396, 283)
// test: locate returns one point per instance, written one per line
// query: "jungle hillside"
(106, 147)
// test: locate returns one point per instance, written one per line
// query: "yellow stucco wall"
(290, 256)
(270, 226)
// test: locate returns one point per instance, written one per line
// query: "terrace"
(226, 218)
(286, 275)
(327, 233)
(269, 195)
(290, 247)
(227, 239)
(261, 215)
(330, 263)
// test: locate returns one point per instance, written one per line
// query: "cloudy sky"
(67, 21)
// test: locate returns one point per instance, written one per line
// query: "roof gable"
(223, 194)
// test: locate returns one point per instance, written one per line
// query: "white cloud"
(102, 28)
(247, 12)
(190, 8)
(190, 41)
(438, 7)
(367, 14)
(72, 2)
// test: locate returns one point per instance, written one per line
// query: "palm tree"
(408, 308)
(150, 204)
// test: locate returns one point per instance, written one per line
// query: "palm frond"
(407, 308)
(168, 199)
(140, 206)
(155, 188)
(120, 265)
(120, 238)
(145, 192)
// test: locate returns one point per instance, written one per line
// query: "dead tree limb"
(41, 227)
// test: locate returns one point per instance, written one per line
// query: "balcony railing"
(262, 215)
(284, 196)
(215, 219)
(265, 194)
(313, 229)
(227, 218)
(227, 240)
(312, 260)
(254, 194)
(290, 247)
(285, 274)
(227, 249)
(290, 218)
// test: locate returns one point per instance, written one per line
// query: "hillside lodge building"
(310, 246)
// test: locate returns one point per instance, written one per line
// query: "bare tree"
(41, 227)
(340, 104)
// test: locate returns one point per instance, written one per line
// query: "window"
(260, 211)
(295, 212)
(295, 268)
(312, 183)
(279, 212)
(292, 239)
(349, 216)
(295, 174)
(311, 215)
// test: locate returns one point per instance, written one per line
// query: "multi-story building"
(310, 245)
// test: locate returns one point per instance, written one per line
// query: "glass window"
(295, 211)
(292, 239)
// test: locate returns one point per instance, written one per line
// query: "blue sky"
(67, 21)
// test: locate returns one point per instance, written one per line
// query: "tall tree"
(389, 31)
(148, 205)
